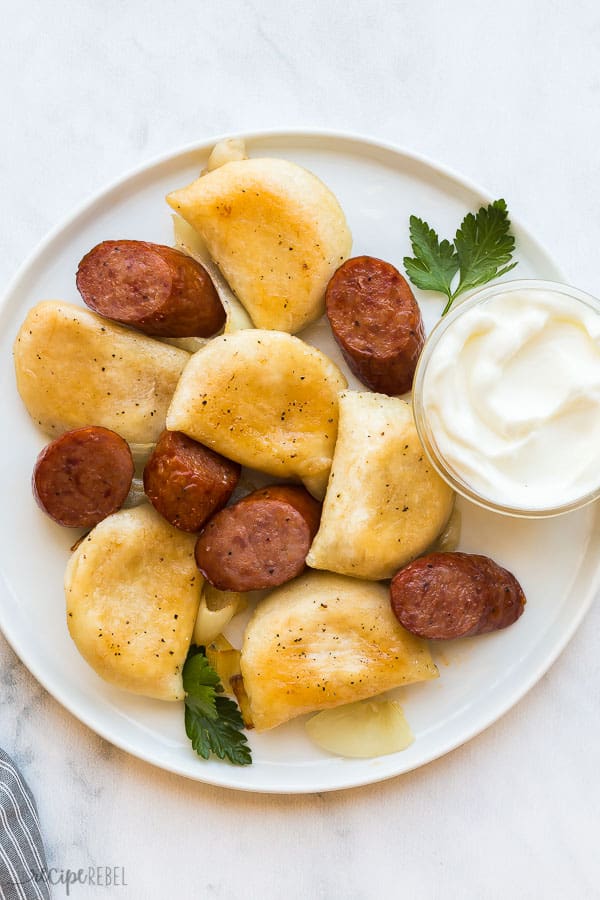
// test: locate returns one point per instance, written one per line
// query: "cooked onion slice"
(141, 454)
(229, 150)
(239, 689)
(136, 494)
(449, 539)
(216, 610)
(225, 660)
(217, 600)
(361, 730)
(219, 645)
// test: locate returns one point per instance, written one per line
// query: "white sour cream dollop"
(511, 394)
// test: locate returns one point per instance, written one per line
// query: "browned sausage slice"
(260, 542)
(187, 482)
(377, 323)
(451, 595)
(83, 476)
(156, 289)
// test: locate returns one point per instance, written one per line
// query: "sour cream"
(510, 397)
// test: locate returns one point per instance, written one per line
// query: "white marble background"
(509, 94)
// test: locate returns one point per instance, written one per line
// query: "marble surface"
(507, 94)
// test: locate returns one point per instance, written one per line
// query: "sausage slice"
(377, 323)
(451, 595)
(156, 289)
(187, 482)
(261, 541)
(83, 476)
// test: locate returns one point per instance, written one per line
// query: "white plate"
(557, 560)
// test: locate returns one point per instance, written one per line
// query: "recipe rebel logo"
(91, 876)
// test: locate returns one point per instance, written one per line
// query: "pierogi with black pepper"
(75, 368)
(264, 399)
(385, 504)
(276, 232)
(132, 590)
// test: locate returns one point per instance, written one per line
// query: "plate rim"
(265, 133)
(218, 777)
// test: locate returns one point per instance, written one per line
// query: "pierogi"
(75, 368)
(384, 504)
(264, 399)
(132, 590)
(189, 242)
(276, 232)
(324, 640)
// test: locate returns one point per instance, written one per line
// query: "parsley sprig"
(482, 249)
(212, 722)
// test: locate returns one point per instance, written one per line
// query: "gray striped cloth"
(22, 860)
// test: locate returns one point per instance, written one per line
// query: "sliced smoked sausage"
(261, 541)
(83, 476)
(377, 323)
(187, 482)
(153, 288)
(451, 595)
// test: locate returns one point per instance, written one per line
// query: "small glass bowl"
(425, 432)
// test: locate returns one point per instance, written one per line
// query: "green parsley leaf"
(200, 682)
(221, 735)
(212, 723)
(482, 250)
(435, 264)
(484, 244)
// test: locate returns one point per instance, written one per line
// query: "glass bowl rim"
(478, 298)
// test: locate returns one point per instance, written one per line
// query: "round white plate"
(556, 560)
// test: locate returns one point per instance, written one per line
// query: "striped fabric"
(22, 860)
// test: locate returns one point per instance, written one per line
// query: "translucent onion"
(191, 344)
(239, 689)
(449, 539)
(219, 645)
(229, 150)
(141, 454)
(217, 600)
(225, 660)
(210, 622)
(136, 494)
(316, 484)
(361, 730)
